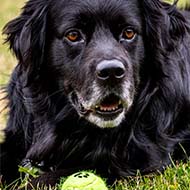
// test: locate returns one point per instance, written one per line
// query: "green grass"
(176, 177)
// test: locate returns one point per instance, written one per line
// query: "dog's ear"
(26, 35)
(165, 25)
(164, 29)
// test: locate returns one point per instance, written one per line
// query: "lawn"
(176, 177)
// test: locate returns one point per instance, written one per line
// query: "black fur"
(46, 125)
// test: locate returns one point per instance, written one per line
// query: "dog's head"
(98, 47)
(95, 50)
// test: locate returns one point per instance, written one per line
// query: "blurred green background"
(9, 9)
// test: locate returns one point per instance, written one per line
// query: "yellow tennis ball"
(83, 181)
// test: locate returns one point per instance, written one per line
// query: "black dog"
(100, 84)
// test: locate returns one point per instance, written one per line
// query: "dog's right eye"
(128, 34)
(73, 36)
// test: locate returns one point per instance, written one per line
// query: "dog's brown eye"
(73, 36)
(128, 34)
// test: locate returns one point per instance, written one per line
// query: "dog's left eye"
(128, 34)
(73, 36)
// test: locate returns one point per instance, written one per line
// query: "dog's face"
(98, 47)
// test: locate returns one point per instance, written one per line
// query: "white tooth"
(102, 108)
(105, 109)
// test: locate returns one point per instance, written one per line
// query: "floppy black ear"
(165, 24)
(164, 29)
(26, 35)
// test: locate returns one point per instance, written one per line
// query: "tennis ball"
(83, 181)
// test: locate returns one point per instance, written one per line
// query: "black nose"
(110, 70)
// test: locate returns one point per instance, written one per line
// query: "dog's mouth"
(107, 108)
